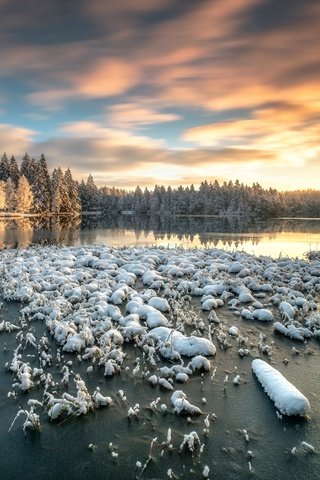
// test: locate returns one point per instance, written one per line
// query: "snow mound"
(187, 346)
(286, 397)
(182, 405)
(263, 315)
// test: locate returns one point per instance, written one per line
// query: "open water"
(275, 237)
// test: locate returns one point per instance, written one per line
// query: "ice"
(286, 397)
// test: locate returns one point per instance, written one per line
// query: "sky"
(170, 92)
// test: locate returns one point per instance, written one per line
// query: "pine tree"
(60, 197)
(41, 187)
(24, 197)
(10, 195)
(72, 187)
(4, 168)
(14, 171)
(2, 195)
(92, 194)
(82, 191)
(28, 168)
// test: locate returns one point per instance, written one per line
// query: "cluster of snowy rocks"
(94, 300)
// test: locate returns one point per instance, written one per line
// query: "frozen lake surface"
(97, 301)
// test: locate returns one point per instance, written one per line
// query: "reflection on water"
(21, 232)
(275, 237)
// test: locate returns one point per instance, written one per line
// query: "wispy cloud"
(131, 115)
(15, 139)
(251, 77)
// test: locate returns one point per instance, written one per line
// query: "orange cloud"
(128, 115)
(15, 140)
(109, 77)
(290, 131)
(206, 55)
(109, 135)
(120, 158)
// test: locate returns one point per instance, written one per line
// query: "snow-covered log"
(286, 397)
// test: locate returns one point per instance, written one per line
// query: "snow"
(153, 317)
(233, 331)
(286, 397)
(245, 296)
(190, 440)
(182, 405)
(175, 341)
(147, 318)
(199, 363)
(160, 304)
(263, 315)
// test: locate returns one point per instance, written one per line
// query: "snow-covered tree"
(89, 195)
(28, 168)
(4, 168)
(82, 191)
(41, 187)
(92, 194)
(2, 195)
(72, 187)
(60, 195)
(14, 171)
(24, 196)
(10, 195)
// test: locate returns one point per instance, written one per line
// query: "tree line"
(228, 199)
(31, 189)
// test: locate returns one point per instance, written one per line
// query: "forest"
(31, 188)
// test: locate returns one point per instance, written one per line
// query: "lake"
(82, 447)
(274, 237)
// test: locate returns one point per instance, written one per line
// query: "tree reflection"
(205, 231)
(24, 231)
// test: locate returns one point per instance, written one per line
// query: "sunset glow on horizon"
(166, 91)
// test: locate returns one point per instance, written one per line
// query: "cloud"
(290, 131)
(15, 139)
(243, 80)
(220, 64)
(130, 115)
(95, 79)
(110, 154)
(109, 77)
(49, 100)
(122, 159)
(87, 130)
